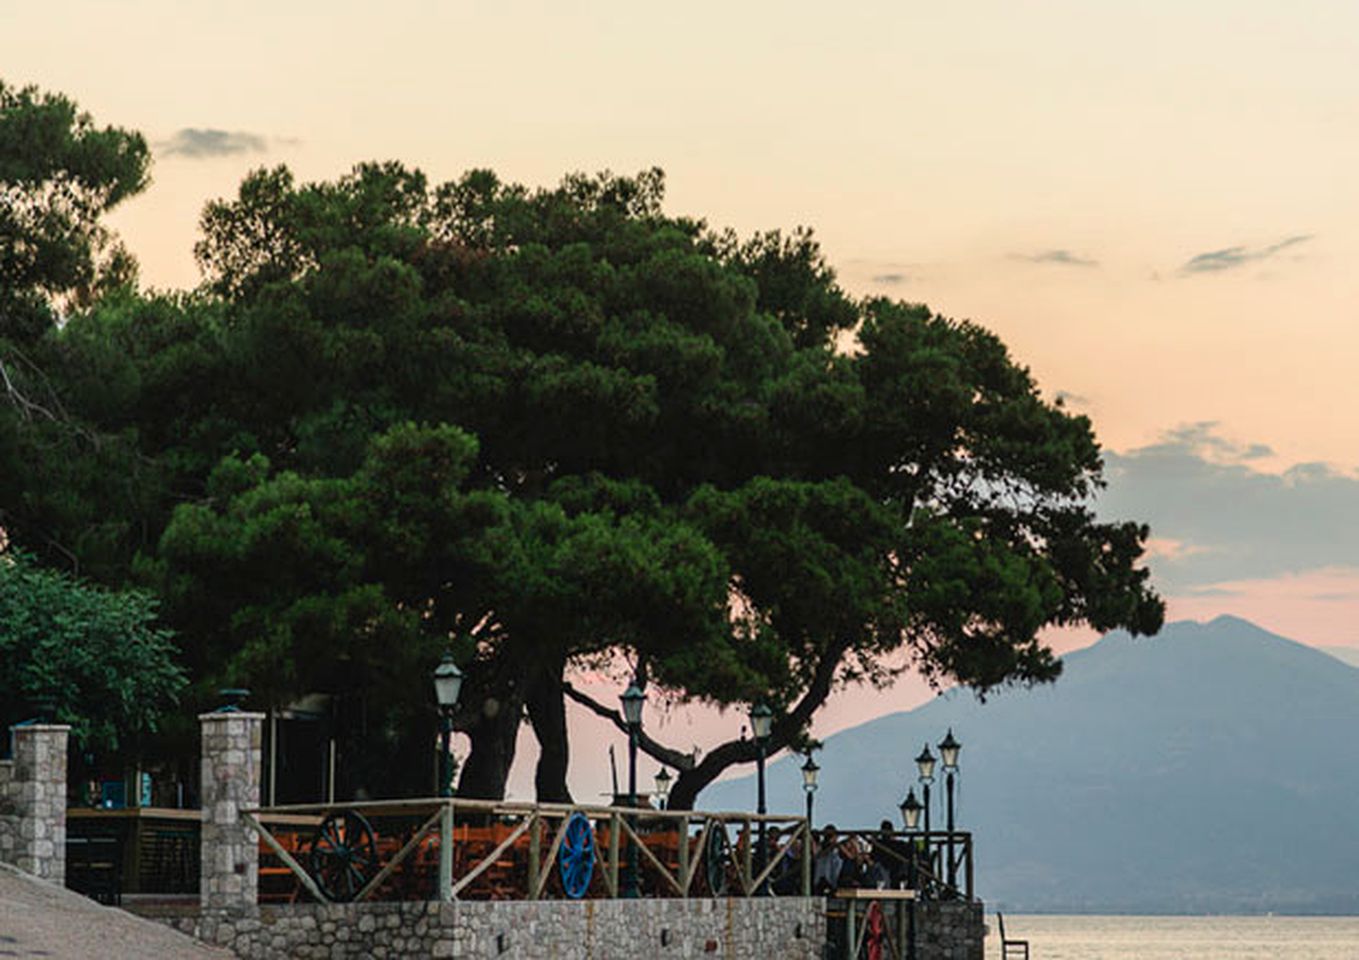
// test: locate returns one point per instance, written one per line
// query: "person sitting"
(829, 861)
(860, 869)
(893, 856)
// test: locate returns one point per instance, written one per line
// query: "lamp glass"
(925, 764)
(447, 682)
(633, 698)
(663, 779)
(948, 751)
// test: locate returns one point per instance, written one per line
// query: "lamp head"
(948, 751)
(447, 682)
(633, 698)
(761, 720)
(910, 810)
(809, 772)
(925, 764)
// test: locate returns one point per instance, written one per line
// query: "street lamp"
(910, 810)
(632, 698)
(663, 779)
(925, 765)
(447, 688)
(948, 753)
(761, 720)
(809, 772)
(910, 816)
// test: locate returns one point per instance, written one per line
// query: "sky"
(1156, 205)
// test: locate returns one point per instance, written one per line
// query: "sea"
(1179, 938)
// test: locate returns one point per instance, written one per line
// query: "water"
(1180, 938)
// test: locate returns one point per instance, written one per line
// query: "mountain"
(1348, 655)
(1211, 769)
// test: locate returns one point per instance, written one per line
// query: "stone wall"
(950, 931)
(9, 822)
(33, 801)
(789, 928)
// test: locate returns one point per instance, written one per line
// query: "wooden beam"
(287, 859)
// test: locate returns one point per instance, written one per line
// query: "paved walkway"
(38, 919)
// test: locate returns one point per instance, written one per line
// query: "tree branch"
(658, 751)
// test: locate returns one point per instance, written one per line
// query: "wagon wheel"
(716, 857)
(343, 855)
(576, 856)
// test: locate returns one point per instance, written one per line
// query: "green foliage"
(101, 655)
(58, 175)
(550, 426)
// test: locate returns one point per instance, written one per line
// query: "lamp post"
(761, 720)
(809, 772)
(663, 779)
(910, 818)
(948, 753)
(447, 688)
(632, 698)
(925, 767)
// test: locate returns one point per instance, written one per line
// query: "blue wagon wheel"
(576, 856)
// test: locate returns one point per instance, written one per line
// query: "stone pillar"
(33, 801)
(229, 871)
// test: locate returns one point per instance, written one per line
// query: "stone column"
(229, 870)
(33, 801)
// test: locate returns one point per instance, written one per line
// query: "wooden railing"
(926, 862)
(470, 849)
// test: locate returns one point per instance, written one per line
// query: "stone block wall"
(791, 928)
(33, 801)
(9, 822)
(950, 931)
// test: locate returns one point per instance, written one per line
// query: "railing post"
(807, 859)
(446, 852)
(613, 852)
(683, 850)
(967, 873)
(749, 858)
(533, 854)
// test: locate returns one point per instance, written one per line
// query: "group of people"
(839, 862)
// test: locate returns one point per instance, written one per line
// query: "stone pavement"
(39, 919)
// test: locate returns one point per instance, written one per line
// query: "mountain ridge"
(1208, 769)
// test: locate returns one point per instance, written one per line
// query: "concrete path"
(38, 919)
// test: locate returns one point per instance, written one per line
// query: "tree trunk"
(547, 712)
(493, 733)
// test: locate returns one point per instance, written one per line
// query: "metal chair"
(1011, 948)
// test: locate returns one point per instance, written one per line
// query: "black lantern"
(925, 764)
(633, 698)
(447, 682)
(761, 719)
(663, 779)
(948, 751)
(447, 689)
(910, 810)
(809, 772)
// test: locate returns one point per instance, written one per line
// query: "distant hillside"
(1348, 655)
(1214, 768)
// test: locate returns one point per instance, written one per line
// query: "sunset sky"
(1152, 203)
